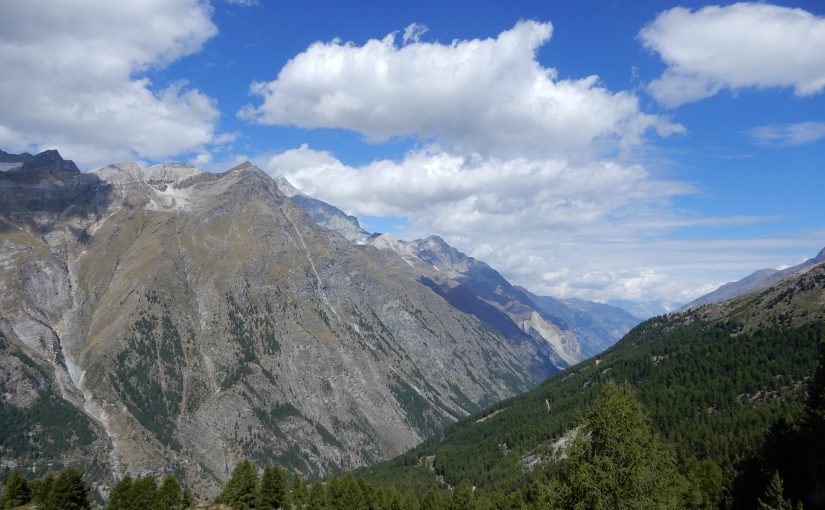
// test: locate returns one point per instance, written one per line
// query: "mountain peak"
(246, 166)
(46, 161)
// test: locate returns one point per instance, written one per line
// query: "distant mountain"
(712, 379)
(163, 319)
(756, 281)
(46, 161)
(597, 326)
(578, 329)
(325, 214)
(643, 309)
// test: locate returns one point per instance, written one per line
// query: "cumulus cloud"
(783, 135)
(745, 45)
(488, 96)
(72, 78)
(592, 230)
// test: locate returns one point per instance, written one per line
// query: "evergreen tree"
(392, 500)
(344, 493)
(317, 497)
(705, 484)
(616, 462)
(433, 500)
(168, 495)
(462, 496)
(187, 500)
(144, 492)
(17, 491)
(43, 489)
(120, 498)
(69, 492)
(241, 491)
(273, 491)
(410, 501)
(774, 497)
(815, 409)
(299, 491)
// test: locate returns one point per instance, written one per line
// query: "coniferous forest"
(613, 460)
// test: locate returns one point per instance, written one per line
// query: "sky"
(638, 150)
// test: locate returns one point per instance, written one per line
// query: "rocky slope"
(597, 326)
(186, 320)
(572, 330)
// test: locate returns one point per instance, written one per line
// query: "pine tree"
(392, 500)
(273, 490)
(433, 500)
(774, 497)
(317, 498)
(410, 501)
(616, 462)
(462, 496)
(43, 489)
(299, 491)
(187, 500)
(168, 495)
(120, 498)
(344, 493)
(241, 491)
(17, 491)
(144, 492)
(69, 492)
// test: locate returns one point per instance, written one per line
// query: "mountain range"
(164, 319)
(753, 282)
(715, 381)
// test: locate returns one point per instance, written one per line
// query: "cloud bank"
(486, 96)
(71, 77)
(592, 230)
(740, 46)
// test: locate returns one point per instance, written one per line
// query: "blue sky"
(701, 161)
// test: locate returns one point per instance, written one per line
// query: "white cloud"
(247, 3)
(782, 135)
(592, 230)
(413, 33)
(71, 77)
(487, 96)
(745, 45)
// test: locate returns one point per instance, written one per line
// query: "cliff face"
(187, 320)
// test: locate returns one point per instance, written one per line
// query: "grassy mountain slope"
(713, 380)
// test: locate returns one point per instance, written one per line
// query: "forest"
(614, 460)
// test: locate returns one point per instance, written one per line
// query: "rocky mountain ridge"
(185, 320)
(477, 288)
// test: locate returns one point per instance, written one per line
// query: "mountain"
(163, 319)
(597, 326)
(324, 214)
(643, 309)
(580, 330)
(713, 380)
(755, 281)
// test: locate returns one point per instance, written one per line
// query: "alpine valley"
(168, 320)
